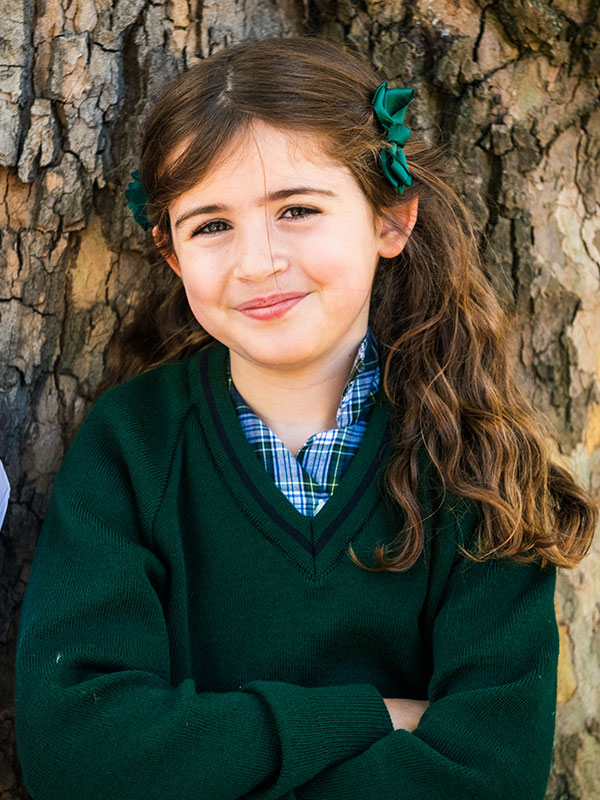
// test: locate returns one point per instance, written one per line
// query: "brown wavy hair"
(443, 332)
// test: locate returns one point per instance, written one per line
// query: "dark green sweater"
(187, 634)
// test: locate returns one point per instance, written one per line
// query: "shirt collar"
(367, 353)
(362, 384)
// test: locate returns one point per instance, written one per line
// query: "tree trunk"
(513, 85)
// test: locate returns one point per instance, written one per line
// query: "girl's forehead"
(262, 150)
(275, 150)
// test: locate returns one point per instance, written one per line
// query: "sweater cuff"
(334, 722)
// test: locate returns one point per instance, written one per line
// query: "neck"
(296, 403)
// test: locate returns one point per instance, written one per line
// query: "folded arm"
(488, 731)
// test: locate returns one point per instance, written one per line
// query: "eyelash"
(308, 212)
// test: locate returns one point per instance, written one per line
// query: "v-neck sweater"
(187, 633)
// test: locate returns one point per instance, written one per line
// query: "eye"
(213, 226)
(305, 212)
(209, 227)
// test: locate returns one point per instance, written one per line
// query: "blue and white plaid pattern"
(309, 479)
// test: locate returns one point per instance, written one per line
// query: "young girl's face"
(277, 248)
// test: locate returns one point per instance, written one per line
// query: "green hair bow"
(138, 199)
(390, 107)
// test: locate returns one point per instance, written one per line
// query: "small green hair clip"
(390, 108)
(138, 200)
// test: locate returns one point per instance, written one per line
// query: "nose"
(259, 254)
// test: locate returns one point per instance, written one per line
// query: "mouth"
(270, 308)
(271, 300)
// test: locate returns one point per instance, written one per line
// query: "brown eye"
(210, 227)
(304, 212)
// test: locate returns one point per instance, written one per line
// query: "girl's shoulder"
(123, 450)
(166, 384)
(140, 418)
(165, 387)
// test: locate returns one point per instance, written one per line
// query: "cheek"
(346, 263)
(203, 290)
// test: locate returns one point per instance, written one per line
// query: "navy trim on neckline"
(349, 507)
(239, 467)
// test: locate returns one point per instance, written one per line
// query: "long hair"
(443, 332)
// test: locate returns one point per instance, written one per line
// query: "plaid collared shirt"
(310, 478)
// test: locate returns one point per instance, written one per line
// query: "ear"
(168, 255)
(391, 240)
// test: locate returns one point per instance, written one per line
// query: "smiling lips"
(270, 307)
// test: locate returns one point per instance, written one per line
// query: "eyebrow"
(281, 194)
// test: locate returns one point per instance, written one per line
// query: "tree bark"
(512, 85)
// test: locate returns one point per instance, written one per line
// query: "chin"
(276, 354)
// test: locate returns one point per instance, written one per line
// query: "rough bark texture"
(513, 84)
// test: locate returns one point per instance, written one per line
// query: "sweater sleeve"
(97, 714)
(488, 731)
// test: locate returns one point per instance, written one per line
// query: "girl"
(310, 550)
